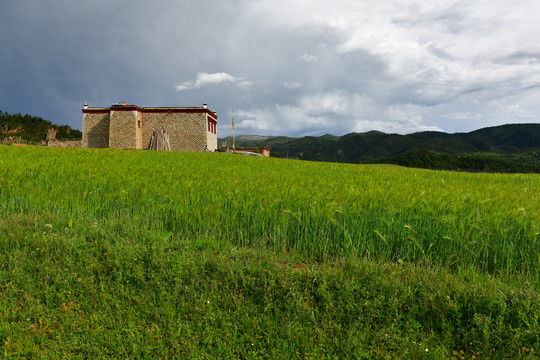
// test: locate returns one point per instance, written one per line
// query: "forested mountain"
(32, 128)
(492, 146)
(526, 161)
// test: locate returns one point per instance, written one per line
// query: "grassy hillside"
(135, 254)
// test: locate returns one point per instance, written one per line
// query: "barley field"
(137, 254)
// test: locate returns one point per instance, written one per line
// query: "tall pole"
(233, 145)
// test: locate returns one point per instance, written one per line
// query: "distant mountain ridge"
(375, 145)
(505, 148)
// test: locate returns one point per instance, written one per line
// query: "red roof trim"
(125, 108)
(150, 110)
(177, 110)
(96, 111)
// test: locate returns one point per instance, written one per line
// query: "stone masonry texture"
(131, 127)
(65, 143)
(122, 130)
(96, 130)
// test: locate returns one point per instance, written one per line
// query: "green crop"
(135, 254)
(487, 221)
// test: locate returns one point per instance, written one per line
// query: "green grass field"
(136, 254)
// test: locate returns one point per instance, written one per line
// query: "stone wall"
(130, 127)
(76, 143)
(96, 129)
(187, 131)
(123, 128)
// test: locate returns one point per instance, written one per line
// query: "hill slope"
(375, 145)
(108, 253)
(32, 128)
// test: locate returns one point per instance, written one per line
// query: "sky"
(286, 67)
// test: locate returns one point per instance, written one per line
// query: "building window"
(139, 124)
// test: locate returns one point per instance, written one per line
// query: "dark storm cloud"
(57, 53)
(287, 67)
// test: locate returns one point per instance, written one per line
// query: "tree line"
(32, 128)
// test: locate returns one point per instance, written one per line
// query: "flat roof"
(150, 109)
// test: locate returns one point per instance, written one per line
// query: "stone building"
(124, 126)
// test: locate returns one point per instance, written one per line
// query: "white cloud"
(244, 84)
(511, 110)
(336, 103)
(308, 58)
(463, 116)
(204, 79)
(443, 48)
(340, 111)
